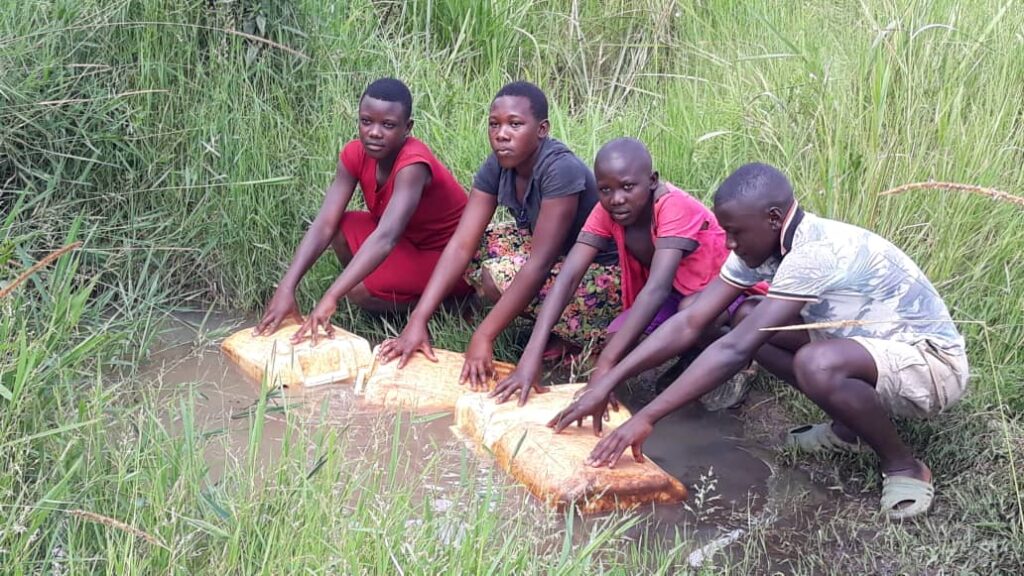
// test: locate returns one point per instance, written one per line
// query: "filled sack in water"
(552, 465)
(332, 360)
(423, 385)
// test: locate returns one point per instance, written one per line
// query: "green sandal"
(821, 438)
(900, 489)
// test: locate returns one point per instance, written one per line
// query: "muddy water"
(732, 480)
(190, 364)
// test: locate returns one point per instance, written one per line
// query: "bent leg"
(489, 289)
(839, 376)
(363, 298)
(592, 307)
(399, 280)
(354, 229)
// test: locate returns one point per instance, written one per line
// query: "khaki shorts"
(918, 380)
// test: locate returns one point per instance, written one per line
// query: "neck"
(388, 162)
(525, 168)
(646, 215)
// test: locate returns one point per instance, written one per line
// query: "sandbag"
(332, 360)
(423, 386)
(552, 465)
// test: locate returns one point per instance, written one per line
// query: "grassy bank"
(187, 143)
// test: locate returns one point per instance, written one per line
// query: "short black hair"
(390, 90)
(538, 101)
(756, 183)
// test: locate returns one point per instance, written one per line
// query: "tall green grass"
(188, 143)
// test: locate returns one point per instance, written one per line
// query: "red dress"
(403, 275)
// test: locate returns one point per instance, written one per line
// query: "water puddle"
(732, 480)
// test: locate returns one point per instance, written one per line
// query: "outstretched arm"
(313, 244)
(721, 360)
(527, 373)
(450, 267)
(677, 335)
(548, 238)
(657, 288)
(410, 182)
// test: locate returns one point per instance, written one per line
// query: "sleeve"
(738, 274)
(564, 176)
(352, 156)
(414, 152)
(677, 222)
(597, 231)
(805, 273)
(487, 177)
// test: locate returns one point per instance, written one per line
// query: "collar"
(789, 225)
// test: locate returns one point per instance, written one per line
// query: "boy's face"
(750, 231)
(383, 127)
(513, 131)
(624, 188)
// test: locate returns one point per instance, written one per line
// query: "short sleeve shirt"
(679, 221)
(557, 173)
(844, 272)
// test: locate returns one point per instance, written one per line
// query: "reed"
(187, 144)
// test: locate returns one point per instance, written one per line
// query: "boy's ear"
(775, 217)
(654, 180)
(544, 128)
(408, 126)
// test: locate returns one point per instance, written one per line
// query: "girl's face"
(383, 127)
(513, 131)
(624, 188)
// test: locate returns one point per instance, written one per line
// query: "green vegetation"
(188, 143)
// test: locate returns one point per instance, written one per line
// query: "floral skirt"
(504, 249)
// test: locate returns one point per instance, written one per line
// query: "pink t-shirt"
(680, 221)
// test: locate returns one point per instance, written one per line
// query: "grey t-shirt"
(558, 172)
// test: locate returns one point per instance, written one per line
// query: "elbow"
(388, 243)
(733, 352)
(654, 293)
(384, 240)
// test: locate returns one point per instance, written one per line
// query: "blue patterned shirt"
(844, 272)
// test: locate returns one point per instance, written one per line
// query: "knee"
(360, 296)
(341, 248)
(488, 287)
(818, 369)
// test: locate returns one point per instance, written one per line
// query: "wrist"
(603, 384)
(332, 296)
(481, 337)
(286, 288)
(646, 417)
(418, 320)
(483, 333)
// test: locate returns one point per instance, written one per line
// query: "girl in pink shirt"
(670, 246)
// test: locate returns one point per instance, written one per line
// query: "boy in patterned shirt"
(878, 339)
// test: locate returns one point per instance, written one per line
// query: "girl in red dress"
(389, 250)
